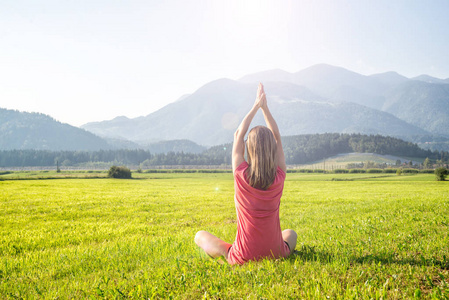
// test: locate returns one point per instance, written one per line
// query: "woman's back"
(258, 227)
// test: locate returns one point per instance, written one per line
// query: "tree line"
(299, 149)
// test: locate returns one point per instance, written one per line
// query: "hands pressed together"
(261, 99)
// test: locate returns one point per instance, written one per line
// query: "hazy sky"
(82, 61)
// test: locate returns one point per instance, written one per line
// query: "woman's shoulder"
(280, 174)
(240, 173)
(241, 168)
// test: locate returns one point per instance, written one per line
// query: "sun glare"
(250, 13)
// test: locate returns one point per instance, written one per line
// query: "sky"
(81, 61)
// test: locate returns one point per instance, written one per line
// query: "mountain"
(336, 84)
(22, 130)
(35, 131)
(318, 99)
(211, 114)
(112, 129)
(430, 79)
(342, 117)
(422, 104)
(390, 78)
(176, 146)
(326, 80)
(206, 117)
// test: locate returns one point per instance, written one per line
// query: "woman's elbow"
(236, 133)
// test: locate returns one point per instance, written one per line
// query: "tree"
(426, 163)
(119, 172)
(370, 164)
(440, 174)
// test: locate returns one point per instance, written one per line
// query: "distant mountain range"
(22, 130)
(318, 99)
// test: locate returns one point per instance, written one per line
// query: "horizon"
(93, 61)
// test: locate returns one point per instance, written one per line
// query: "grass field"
(383, 236)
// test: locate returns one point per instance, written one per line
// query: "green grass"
(363, 237)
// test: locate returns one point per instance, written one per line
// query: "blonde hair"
(261, 149)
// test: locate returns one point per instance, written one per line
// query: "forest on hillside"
(298, 149)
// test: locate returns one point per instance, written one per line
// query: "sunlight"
(250, 13)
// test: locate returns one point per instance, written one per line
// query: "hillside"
(306, 148)
(390, 78)
(422, 104)
(422, 101)
(194, 118)
(430, 79)
(176, 146)
(22, 130)
(332, 83)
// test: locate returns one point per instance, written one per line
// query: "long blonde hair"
(261, 149)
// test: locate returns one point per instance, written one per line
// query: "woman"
(258, 187)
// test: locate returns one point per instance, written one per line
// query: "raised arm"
(238, 149)
(271, 124)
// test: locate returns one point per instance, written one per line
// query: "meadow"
(360, 236)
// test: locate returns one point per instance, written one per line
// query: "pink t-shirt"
(259, 232)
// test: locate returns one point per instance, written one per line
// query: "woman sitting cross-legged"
(258, 187)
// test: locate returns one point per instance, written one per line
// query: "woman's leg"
(212, 245)
(290, 237)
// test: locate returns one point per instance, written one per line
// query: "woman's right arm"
(271, 124)
(238, 148)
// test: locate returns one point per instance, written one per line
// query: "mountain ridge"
(210, 115)
(24, 130)
(36, 131)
